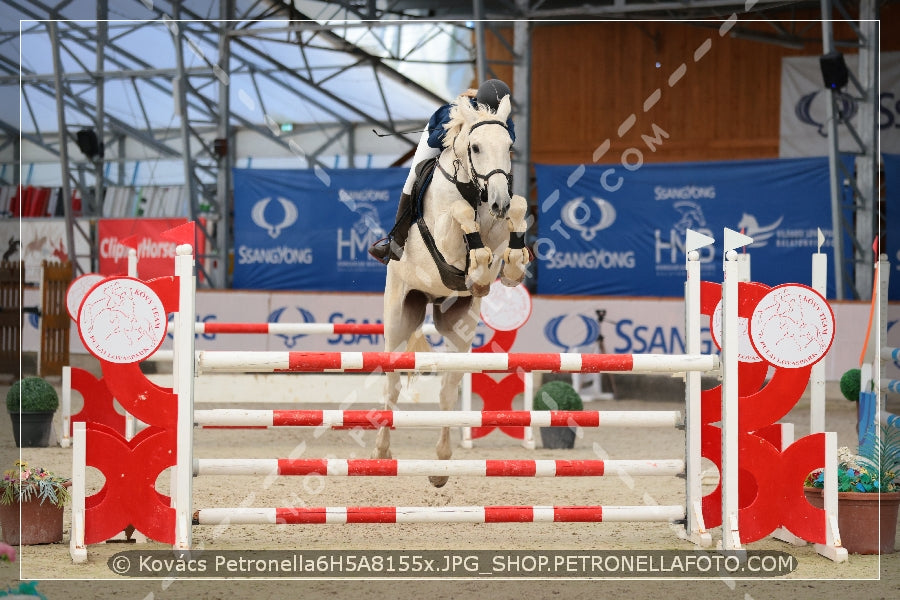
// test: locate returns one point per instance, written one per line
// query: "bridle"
(475, 190)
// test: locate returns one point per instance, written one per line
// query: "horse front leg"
(479, 276)
(383, 439)
(516, 257)
(449, 397)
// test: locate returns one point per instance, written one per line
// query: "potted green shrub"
(31, 505)
(558, 396)
(31, 403)
(868, 493)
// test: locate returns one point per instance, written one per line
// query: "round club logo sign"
(792, 326)
(746, 352)
(122, 320)
(506, 308)
(77, 290)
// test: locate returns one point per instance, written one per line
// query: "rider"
(489, 93)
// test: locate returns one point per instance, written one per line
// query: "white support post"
(184, 392)
(466, 405)
(65, 439)
(832, 548)
(130, 426)
(695, 527)
(731, 539)
(883, 275)
(782, 533)
(817, 375)
(130, 423)
(77, 549)
(744, 267)
(132, 263)
(528, 404)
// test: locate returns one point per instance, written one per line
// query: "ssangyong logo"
(258, 215)
(574, 333)
(290, 341)
(814, 113)
(684, 192)
(577, 214)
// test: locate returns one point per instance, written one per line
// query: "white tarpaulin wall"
(803, 103)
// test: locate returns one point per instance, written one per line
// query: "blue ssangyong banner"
(612, 230)
(311, 229)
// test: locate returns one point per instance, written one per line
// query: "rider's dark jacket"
(441, 117)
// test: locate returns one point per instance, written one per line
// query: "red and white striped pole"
(439, 514)
(398, 468)
(215, 327)
(429, 362)
(229, 417)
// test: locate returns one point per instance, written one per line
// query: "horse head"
(482, 145)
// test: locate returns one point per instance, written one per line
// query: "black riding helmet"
(491, 92)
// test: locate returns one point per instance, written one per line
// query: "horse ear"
(466, 111)
(504, 108)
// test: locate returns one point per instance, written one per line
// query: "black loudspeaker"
(834, 70)
(88, 142)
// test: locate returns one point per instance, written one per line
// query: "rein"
(472, 191)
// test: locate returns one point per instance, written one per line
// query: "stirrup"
(381, 250)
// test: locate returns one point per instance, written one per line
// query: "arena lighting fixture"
(834, 70)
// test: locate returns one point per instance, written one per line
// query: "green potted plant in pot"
(868, 493)
(31, 403)
(38, 497)
(558, 396)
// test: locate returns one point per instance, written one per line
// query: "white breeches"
(423, 152)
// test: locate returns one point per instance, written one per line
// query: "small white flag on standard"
(736, 239)
(694, 240)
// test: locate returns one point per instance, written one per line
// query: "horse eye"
(475, 148)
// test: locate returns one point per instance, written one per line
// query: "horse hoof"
(510, 282)
(381, 455)
(480, 291)
(438, 482)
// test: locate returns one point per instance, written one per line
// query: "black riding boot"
(391, 247)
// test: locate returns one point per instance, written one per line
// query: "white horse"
(477, 228)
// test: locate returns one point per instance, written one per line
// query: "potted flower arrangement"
(31, 403)
(31, 505)
(559, 396)
(868, 493)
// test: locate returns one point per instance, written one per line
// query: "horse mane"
(454, 126)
